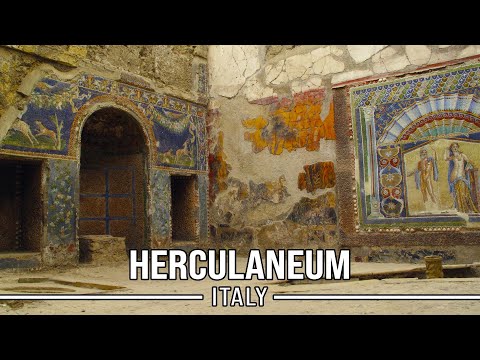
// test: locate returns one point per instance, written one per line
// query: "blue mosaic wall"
(61, 183)
(404, 133)
(45, 125)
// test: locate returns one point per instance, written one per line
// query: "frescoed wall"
(307, 145)
(271, 149)
(292, 124)
(417, 149)
(283, 114)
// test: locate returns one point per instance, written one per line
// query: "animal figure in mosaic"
(187, 147)
(80, 98)
(184, 151)
(24, 128)
(43, 131)
(169, 156)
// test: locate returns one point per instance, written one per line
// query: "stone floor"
(89, 279)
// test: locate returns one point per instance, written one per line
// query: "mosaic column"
(203, 206)
(160, 208)
(372, 166)
(61, 246)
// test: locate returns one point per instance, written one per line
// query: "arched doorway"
(113, 177)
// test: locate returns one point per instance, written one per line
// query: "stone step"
(20, 260)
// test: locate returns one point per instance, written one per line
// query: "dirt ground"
(86, 279)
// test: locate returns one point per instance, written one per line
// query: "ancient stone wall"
(283, 158)
(48, 92)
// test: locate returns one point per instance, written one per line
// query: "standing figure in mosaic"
(459, 179)
(425, 174)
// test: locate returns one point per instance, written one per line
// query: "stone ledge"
(20, 260)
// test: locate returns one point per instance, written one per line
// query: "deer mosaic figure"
(43, 131)
(24, 128)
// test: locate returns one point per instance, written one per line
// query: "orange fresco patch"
(292, 124)
(320, 175)
(257, 123)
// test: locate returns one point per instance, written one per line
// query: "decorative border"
(105, 92)
(180, 170)
(32, 155)
(115, 88)
(362, 95)
(103, 101)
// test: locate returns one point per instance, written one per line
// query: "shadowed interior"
(184, 208)
(21, 215)
(112, 177)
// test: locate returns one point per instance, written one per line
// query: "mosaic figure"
(459, 179)
(425, 173)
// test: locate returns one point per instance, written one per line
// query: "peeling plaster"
(360, 53)
(239, 63)
(289, 71)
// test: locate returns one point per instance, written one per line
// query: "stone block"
(102, 249)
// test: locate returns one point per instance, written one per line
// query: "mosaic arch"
(102, 102)
(417, 143)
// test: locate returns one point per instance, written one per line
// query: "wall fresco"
(45, 125)
(318, 211)
(219, 169)
(320, 175)
(292, 124)
(417, 149)
(239, 202)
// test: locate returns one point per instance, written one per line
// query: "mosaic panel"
(61, 226)
(45, 125)
(417, 145)
(161, 195)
